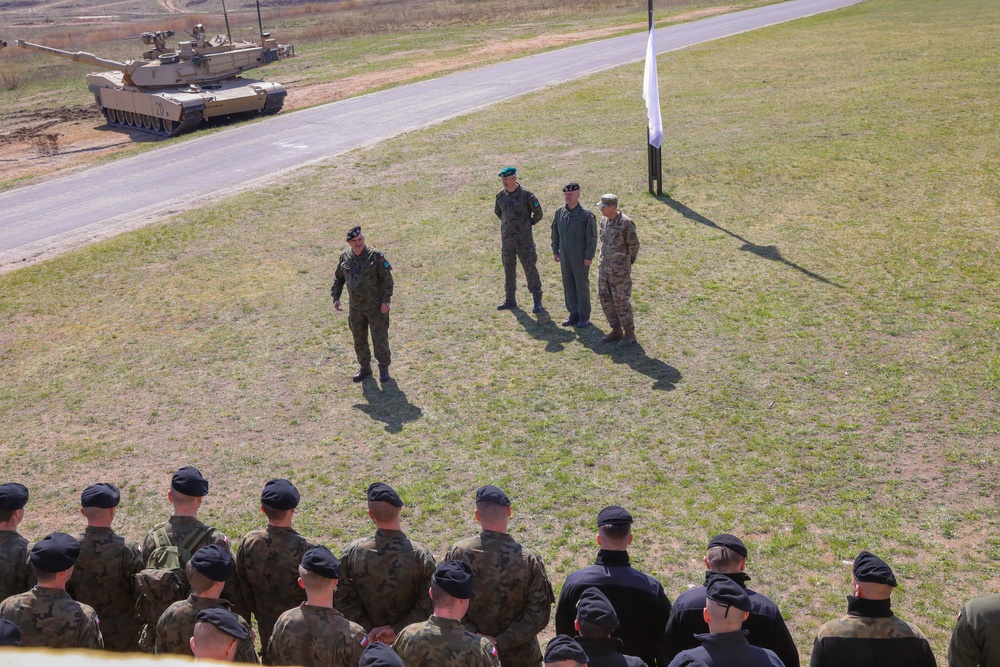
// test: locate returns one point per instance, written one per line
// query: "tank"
(170, 91)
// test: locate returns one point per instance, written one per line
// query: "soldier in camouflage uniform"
(217, 634)
(384, 579)
(870, 635)
(368, 276)
(315, 634)
(619, 248)
(513, 597)
(207, 572)
(267, 561)
(46, 615)
(574, 243)
(518, 210)
(442, 639)
(103, 574)
(15, 571)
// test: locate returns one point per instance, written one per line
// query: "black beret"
(214, 561)
(509, 171)
(383, 493)
(731, 541)
(188, 480)
(56, 552)
(726, 592)
(455, 578)
(492, 494)
(379, 655)
(102, 495)
(571, 187)
(871, 569)
(564, 647)
(354, 232)
(613, 516)
(224, 621)
(13, 496)
(320, 560)
(10, 635)
(594, 607)
(280, 494)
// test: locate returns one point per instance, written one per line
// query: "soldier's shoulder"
(844, 626)
(462, 546)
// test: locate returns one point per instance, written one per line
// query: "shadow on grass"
(545, 329)
(665, 377)
(765, 251)
(388, 404)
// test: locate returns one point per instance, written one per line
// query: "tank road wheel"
(168, 126)
(120, 116)
(130, 119)
(155, 123)
(147, 122)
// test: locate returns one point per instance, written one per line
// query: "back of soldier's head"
(442, 599)
(210, 643)
(590, 630)
(314, 582)
(13, 498)
(383, 512)
(614, 527)
(726, 553)
(492, 505)
(199, 582)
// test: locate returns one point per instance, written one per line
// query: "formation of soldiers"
(386, 601)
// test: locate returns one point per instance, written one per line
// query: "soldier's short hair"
(273, 514)
(6, 515)
(590, 630)
(313, 580)
(383, 511)
(199, 582)
(210, 641)
(44, 577)
(442, 598)
(721, 559)
(615, 532)
(491, 511)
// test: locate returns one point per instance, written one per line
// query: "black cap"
(13, 496)
(594, 607)
(188, 480)
(224, 621)
(726, 592)
(280, 494)
(102, 495)
(10, 634)
(564, 647)
(613, 516)
(455, 578)
(379, 655)
(214, 561)
(379, 492)
(571, 187)
(56, 552)
(731, 541)
(870, 568)
(320, 560)
(492, 494)
(354, 232)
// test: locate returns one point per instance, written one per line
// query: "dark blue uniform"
(726, 649)
(607, 653)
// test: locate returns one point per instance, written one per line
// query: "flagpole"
(653, 153)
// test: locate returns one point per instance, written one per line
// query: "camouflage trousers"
(616, 300)
(522, 248)
(363, 320)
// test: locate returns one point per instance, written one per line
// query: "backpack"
(163, 582)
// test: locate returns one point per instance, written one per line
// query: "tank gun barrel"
(77, 57)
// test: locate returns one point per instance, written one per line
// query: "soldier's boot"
(571, 320)
(508, 304)
(628, 339)
(537, 308)
(363, 372)
(615, 334)
(383, 373)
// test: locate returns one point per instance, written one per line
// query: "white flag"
(651, 92)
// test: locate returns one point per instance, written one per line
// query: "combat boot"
(383, 373)
(615, 334)
(509, 303)
(628, 340)
(571, 320)
(537, 308)
(363, 372)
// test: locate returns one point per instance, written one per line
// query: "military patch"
(386, 264)
(493, 650)
(364, 641)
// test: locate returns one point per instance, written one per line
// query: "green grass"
(816, 305)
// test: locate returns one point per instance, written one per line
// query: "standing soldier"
(15, 571)
(217, 634)
(619, 248)
(267, 561)
(103, 574)
(574, 243)
(384, 579)
(513, 597)
(368, 276)
(518, 210)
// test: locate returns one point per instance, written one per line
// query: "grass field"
(815, 302)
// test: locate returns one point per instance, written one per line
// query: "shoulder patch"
(386, 264)
(364, 640)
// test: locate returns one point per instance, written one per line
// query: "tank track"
(273, 104)
(150, 125)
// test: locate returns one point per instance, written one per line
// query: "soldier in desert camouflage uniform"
(15, 572)
(513, 597)
(103, 574)
(518, 210)
(315, 634)
(207, 572)
(384, 579)
(267, 561)
(46, 615)
(442, 639)
(619, 248)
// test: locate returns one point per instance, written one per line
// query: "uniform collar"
(869, 608)
(612, 558)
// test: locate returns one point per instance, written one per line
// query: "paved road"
(40, 220)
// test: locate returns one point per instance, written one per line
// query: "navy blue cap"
(509, 171)
(571, 187)
(492, 494)
(188, 480)
(102, 495)
(383, 493)
(280, 494)
(10, 634)
(213, 561)
(320, 560)
(730, 541)
(455, 578)
(354, 232)
(594, 607)
(870, 568)
(379, 655)
(224, 621)
(613, 515)
(724, 591)
(13, 496)
(56, 552)
(564, 647)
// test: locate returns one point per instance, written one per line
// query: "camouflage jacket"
(869, 635)
(441, 641)
(179, 527)
(619, 245)
(384, 581)
(176, 626)
(512, 597)
(313, 636)
(518, 211)
(16, 575)
(49, 617)
(102, 579)
(368, 277)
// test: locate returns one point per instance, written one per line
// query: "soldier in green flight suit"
(574, 244)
